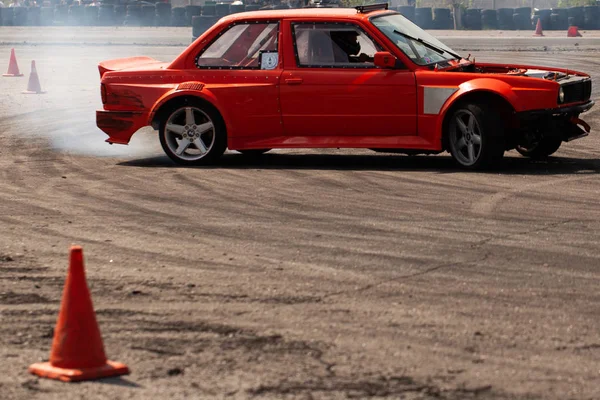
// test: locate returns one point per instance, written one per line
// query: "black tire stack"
(76, 15)
(489, 19)
(408, 12)
(576, 16)
(505, 18)
(8, 16)
(178, 16)
(442, 18)
(222, 10)
(90, 15)
(201, 23)
(120, 12)
(522, 18)
(163, 14)
(423, 17)
(106, 15)
(544, 16)
(591, 17)
(33, 16)
(134, 15)
(237, 8)
(148, 16)
(46, 16)
(20, 16)
(190, 12)
(473, 19)
(559, 19)
(61, 14)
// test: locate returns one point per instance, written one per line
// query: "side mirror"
(384, 59)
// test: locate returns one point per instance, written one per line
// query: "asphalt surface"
(323, 274)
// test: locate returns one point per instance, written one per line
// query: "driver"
(347, 42)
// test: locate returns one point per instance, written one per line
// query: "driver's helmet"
(347, 41)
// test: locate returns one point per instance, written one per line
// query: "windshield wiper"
(427, 44)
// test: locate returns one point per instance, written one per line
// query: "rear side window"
(242, 46)
(333, 45)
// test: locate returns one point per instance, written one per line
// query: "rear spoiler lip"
(124, 63)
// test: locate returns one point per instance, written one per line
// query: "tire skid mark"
(487, 204)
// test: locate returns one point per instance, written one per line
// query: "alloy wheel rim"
(465, 137)
(189, 133)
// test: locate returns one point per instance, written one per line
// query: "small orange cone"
(538, 28)
(13, 67)
(573, 32)
(33, 86)
(77, 351)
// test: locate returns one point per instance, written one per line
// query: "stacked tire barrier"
(472, 19)
(522, 18)
(423, 17)
(178, 16)
(442, 18)
(591, 17)
(162, 14)
(408, 12)
(106, 15)
(190, 12)
(133, 16)
(576, 16)
(489, 19)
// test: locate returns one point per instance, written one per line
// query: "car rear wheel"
(253, 152)
(541, 149)
(475, 136)
(193, 134)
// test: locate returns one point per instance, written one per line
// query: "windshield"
(420, 46)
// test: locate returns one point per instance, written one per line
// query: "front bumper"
(120, 125)
(556, 112)
(561, 122)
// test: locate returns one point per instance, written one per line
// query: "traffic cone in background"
(538, 28)
(77, 351)
(573, 32)
(33, 86)
(13, 67)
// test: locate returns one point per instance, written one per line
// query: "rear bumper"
(556, 112)
(120, 125)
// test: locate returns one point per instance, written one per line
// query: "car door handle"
(293, 81)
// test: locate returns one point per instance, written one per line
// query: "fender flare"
(185, 89)
(480, 85)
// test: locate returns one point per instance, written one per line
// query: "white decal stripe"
(435, 97)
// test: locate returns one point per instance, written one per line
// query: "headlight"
(561, 95)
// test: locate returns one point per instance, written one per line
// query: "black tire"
(542, 149)
(253, 152)
(203, 113)
(487, 128)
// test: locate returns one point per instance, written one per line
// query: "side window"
(242, 46)
(322, 45)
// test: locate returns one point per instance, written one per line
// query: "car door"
(241, 67)
(326, 91)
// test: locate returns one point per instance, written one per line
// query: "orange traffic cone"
(538, 28)
(33, 86)
(77, 351)
(13, 67)
(573, 32)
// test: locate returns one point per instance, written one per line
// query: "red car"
(339, 78)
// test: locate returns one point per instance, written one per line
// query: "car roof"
(317, 13)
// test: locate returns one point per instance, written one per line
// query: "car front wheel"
(193, 134)
(540, 149)
(475, 136)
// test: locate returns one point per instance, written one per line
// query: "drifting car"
(339, 78)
